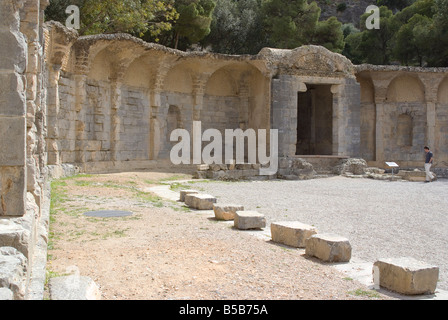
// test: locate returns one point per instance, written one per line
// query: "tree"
(329, 34)
(440, 29)
(136, 17)
(413, 41)
(195, 17)
(235, 28)
(293, 23)
(395, 4)
(374, 46)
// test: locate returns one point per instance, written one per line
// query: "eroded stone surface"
(226, 211)
(329, 247)
(291, 233)
(244, 220)
(407, 275)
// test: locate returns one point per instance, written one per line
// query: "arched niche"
(442, 95)
(405, 89)
(178, 79)
(100, 68)
(367, 89)
(138, 74)
(173, 119)
(222, 83)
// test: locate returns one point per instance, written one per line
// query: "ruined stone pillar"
(53, 154)
(199, 84)
(80, 102)
(338, 128)
(13, 51)
(431, 82)
(115, 119)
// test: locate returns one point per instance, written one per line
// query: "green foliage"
(136, 17)
(395, 4)
(290, 23)
(416, 35)
(195, 17)
(329, 34)
(236, 27)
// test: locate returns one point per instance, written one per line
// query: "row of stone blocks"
(403, 275)
(243, 220)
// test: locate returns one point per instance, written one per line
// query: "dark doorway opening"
(315, 121)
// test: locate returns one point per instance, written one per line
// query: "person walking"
(429, 159)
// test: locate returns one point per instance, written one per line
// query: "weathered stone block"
(14, 234)
(12, 95)
(249, 220)
(12, 143)
(328, 247)
(203, 167)
(6, 294)
(291, 233)
(13, 265)
(406, 275)
(183, 193)
(226, 211)
(12, 191)
(200, 201)
(73, 287)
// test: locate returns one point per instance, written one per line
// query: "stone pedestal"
(183, 193)
(406, 275)
(249, 220)
(226, 211)
(200, 201)
(329, 248)
(291, 233)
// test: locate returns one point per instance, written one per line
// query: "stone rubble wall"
(23, 187)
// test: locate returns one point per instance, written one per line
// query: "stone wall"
(402, 110)
(23, 189)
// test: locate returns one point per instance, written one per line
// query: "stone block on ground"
(328, 247)
(73, 287)
(226, 211)
(200, 201)
(13, 266)
(6, 294)
(183, 193)
(291, 233)
(249, 220)
(406, 275)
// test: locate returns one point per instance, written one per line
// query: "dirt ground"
(167, 251)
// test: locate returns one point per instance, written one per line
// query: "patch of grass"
(151, 198)
(176, 186)
(116, 233)
(365, 293)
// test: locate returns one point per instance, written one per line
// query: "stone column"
(338, 127)
(53, 155)
(115, 120)
(199, 84)
(13, 53)
(431, 82)
(80, 102)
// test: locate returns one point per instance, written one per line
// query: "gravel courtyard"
(380, 218)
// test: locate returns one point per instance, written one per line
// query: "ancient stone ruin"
(109, 102)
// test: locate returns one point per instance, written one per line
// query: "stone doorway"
(315, 121)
